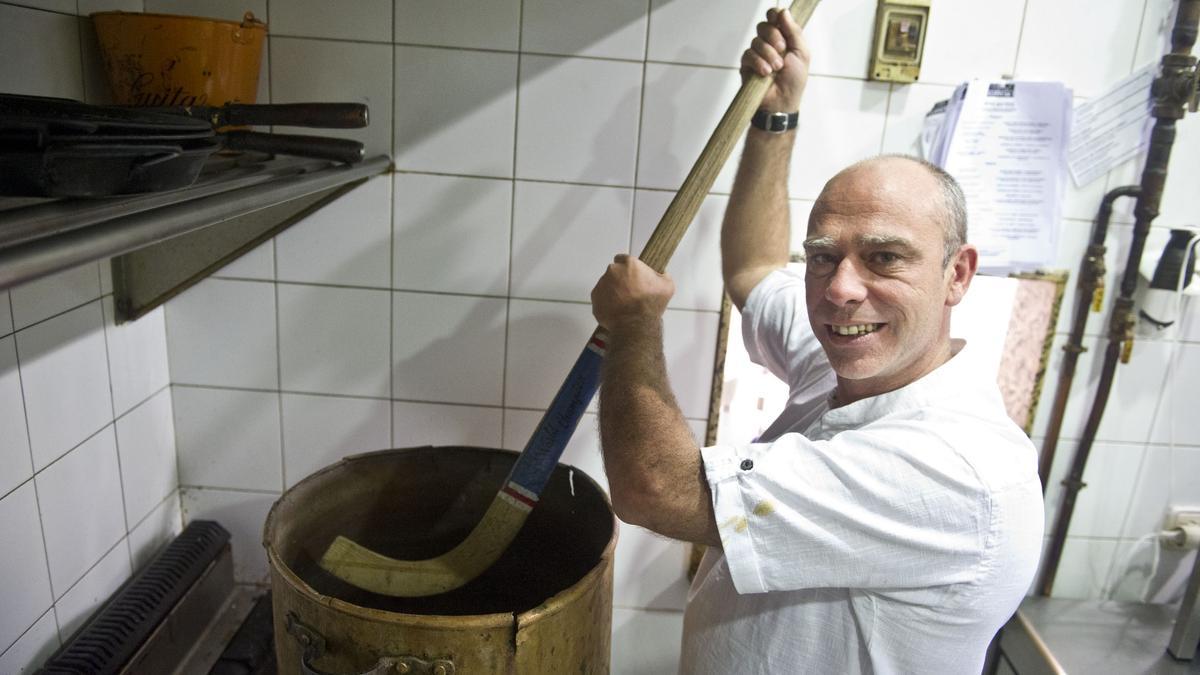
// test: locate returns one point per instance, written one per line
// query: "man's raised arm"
(755, 232)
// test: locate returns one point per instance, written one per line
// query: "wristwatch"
(775, 122)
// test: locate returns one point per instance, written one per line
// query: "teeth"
(860, 329)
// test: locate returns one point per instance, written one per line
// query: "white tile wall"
(417, 424)
(615, 30)
(1129, 412)
(54, 294)
(145, 437)
(680, 108)
(564, 236)
(727, 29)
(696, 265)
(544, 339)
(578, 120)
(320, 430)
(570, 98)
(459, 23)
(156, 530)
(1100, 35)
(25, 586)
(33, 648)
(6, 324)
(218, 331)
(465, 129)
(452, 234)
(82, 515)
(843, 123)
(967, 40)
(334, 340)
(258, 263)
(64, 373)
(53, 69)
(85, 597)
(137, 357)
(344, 243)
(227, 438)
(369, 20)
(243, 515)
(448, 348)
(62, 515)
(15, 462)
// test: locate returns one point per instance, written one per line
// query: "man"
(890, 520)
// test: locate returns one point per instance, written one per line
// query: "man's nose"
(846, 285)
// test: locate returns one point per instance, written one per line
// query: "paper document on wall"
(1111, 128)
(1006, 144)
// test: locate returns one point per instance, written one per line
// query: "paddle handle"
(674, 223)
(540, 456)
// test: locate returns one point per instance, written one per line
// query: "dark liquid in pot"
(559, 544)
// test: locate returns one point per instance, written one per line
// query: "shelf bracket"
(148, 277)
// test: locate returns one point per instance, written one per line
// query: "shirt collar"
(953, 379)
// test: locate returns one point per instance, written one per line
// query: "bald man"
(890, 520)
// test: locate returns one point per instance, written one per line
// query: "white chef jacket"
(895, 534)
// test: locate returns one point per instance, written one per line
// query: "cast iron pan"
(64, 148)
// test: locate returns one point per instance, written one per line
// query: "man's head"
(887, 259)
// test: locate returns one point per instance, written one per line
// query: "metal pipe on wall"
(1174, 90)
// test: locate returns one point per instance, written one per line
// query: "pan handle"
(323, 115)
(317, 147)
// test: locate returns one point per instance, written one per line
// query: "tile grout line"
(1138, 42)
(28, 628)
(37, 498)
(112, 405)
(637, 142)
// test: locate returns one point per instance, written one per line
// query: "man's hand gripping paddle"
(371, 571)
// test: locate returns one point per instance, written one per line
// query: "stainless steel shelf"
(162, 243)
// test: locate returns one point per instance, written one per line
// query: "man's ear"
(959, 273)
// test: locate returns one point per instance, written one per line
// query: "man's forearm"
(653, 464)
(756, 230)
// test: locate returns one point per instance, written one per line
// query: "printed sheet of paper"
(1005, 143)
(1111, 128)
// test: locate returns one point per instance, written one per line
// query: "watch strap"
(775, 122)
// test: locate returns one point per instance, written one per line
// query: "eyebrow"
(869, 240)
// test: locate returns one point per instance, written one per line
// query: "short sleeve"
(777, 334)
(886, 509)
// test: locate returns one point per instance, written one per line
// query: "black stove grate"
(114, 634)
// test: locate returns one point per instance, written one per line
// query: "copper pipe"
(1088, 294)
(1173, 90)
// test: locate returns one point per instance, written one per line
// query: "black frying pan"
(64, 148)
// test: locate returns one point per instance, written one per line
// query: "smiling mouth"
(854, 329)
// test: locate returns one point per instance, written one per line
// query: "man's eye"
(885, 257)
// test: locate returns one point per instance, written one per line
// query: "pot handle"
(313, 646)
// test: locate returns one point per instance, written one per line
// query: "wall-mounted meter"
(900, 27)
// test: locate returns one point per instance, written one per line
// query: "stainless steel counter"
(1090, 637)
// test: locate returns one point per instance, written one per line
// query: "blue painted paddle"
(366, 569)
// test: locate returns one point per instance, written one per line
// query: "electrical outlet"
(1178, 518)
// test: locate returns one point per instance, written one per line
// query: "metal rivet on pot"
(747, 464)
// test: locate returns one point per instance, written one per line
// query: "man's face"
(878, 294)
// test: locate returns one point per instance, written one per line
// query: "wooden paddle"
(369, 570)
